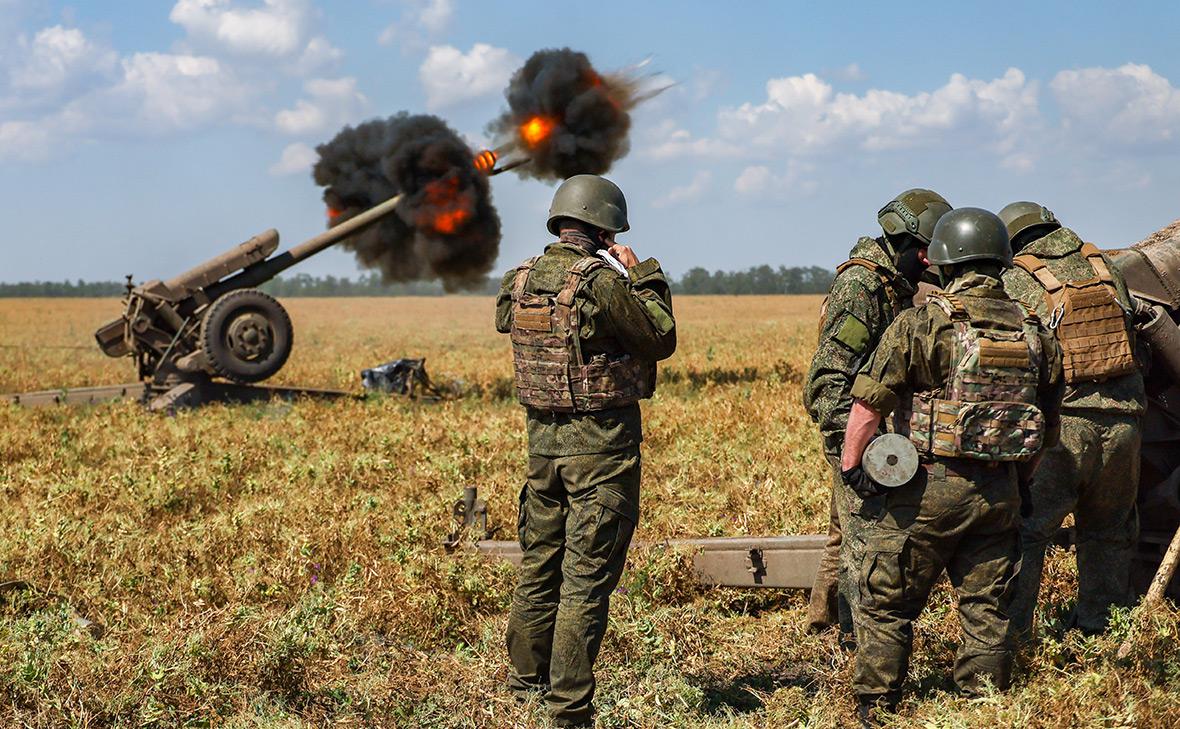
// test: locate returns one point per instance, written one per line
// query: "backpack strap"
(574, 277)
(522, 277)
(1098, 263)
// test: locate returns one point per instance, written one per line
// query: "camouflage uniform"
(957, 514)
(860, 305)
(1094, 470)
(580, 502)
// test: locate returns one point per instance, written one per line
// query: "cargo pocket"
(614, 526)
(883, 580)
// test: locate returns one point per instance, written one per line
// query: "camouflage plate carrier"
(1090, 324)
(987, 410)
(547, 352)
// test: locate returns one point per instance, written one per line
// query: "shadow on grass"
(744, 694)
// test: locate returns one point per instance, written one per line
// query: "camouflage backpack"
(1090, 324)
(987, 409)
(550, 372)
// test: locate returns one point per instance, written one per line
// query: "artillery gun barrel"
(264, 271)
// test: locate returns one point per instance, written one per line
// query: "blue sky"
(143, 137)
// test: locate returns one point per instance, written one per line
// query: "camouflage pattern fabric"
(958, 514)
(965, 523)
(1061, 251)
(987, 409)
(859, 306)
(550, 370)
(617, 315)
(1093, 473)
(577, 516)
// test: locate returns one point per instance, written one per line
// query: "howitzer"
(211, 321)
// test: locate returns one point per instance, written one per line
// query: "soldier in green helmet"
(1094, 470)
(585, 341)
(875, 285)
(974, 380)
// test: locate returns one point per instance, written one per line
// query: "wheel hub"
(249, 336)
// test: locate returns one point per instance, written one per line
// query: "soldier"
(585, 341)
(870, 290)
(1094, 471)
(974, 379)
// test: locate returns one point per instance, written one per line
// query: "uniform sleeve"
(914, 353)
(1052, 386)
(504, 303)
(637, 310)
(849, 330)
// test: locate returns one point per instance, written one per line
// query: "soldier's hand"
(625, 255)
(856, 479)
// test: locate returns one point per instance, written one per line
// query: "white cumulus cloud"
(450, 76)
(273, 29)
(686, 193)
(760, 182)
(332, 103)
(57, 56)
(296, 158)
(1128, 106)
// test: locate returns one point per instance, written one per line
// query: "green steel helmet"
(969, 234)
(913, 212)
(1024, 216)
(591, 199)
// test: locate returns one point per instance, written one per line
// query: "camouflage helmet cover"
(913, 212)
(969, 234)
(1021, 216)
(590, 199)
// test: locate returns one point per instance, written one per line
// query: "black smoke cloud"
(590, 113)
(445, 228)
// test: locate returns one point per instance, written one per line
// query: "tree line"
(755, 280)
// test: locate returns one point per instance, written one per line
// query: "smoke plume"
(445, 228)
(566, 116)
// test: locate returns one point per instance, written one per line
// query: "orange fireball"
(535, 130)
(449, 221)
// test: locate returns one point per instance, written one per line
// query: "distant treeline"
(757, 280)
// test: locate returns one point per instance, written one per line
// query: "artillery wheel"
(246, 335)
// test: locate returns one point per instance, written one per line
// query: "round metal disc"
(890, 460)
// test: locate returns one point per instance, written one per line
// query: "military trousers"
(577, 517)
(834, 594)
(960, 516)
(1092, 472)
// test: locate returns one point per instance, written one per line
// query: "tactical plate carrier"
(987, 410)
(1090, 324)
(547, 353)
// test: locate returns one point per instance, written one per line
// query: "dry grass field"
(280, 564)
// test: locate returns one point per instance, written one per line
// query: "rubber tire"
(218, 354)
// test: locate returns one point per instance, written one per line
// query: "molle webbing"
(1090, 324)
(987, 409)
(550, 372)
